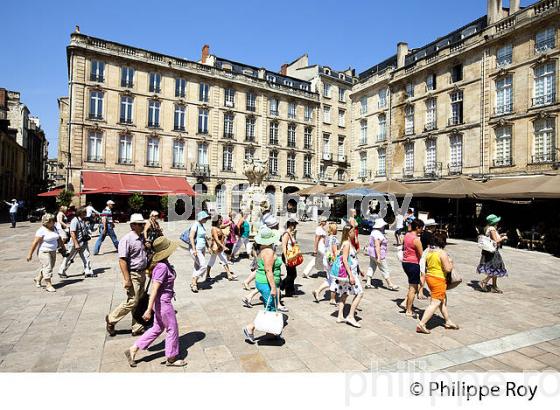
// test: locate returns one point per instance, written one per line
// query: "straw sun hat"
(163, 248)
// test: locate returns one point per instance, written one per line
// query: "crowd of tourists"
(274, 258)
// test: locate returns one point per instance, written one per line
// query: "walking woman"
(160, 305)
(152, 231)
(62, 223)
(288, 241)
(438, 265)
(197, 238)
(48, 241)
(269, 267)
(244, 228)
(353, 287)
(491, 263)
(377, 251)
(318, 249)
(217, 248)
(331, 250)
(412, 252)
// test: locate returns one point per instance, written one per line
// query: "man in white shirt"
(79, 235)
(13, 211)
(90, 212)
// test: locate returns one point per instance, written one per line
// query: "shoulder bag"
(294, 256)
(270, 322)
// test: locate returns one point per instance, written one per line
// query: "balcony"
(127, 84)
(327, 156)
(180, 94)
(153, 124)
(408, 172)
(251, 108)
(307, 146)
(178, 165)
(227, 168)
(307, 118)
(433, 170)
(229, 104)
(249, 138)
(291, 175)
(125, 161)
(92, 116)
(381, 104)
(544, 46)
(455, 168)
(179, 128)
(381, 173)
(362, 141)
(291, 144)
(154, 164)
(94, 158)
(430, 126)
(274, 112)
(202, 130)
(502, 162)
(228, 135)
(503, 109)
(543, 158)
(504, 61)
(127, 121)
(364, 175)
(543, 100)
(200, 170)
(97, 78)
(342, 159)
(273, 141)
(381, 137)
(292, 115)
(409, 130)
(155, 89)
(454, 121)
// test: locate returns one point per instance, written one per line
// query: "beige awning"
(541, 187)
(390, 187)
(314, 190)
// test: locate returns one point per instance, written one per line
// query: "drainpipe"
(69, 153)
(482, 109)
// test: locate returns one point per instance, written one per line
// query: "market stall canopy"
(391, 187)
(115, 183)
(459, 187)
(341, 188)
(54, 192)
(314, 190)
(541, 187)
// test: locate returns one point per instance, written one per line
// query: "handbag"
(141, 307)
(294, 255)
(453, 279)
(486, 244)
(269, 322)
(338, 270)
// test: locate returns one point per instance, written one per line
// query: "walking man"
(133, 262)
(79, 238)
(107, 228)
(13, 211)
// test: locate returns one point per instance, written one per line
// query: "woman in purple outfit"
(161, 306)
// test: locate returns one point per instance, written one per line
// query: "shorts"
(412, 270)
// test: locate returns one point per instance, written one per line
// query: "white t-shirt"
(50, 239)
(400, 221)
(319, 231)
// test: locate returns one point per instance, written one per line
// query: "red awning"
(54, 192)
(114, 183)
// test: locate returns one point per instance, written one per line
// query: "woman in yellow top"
(438, 265)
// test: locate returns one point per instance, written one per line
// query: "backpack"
(186, 235)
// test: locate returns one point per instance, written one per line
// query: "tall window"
(95, 146)
(545, 84)
(504, 56)
(273, 105)
(455, 153)
(307, 138)
(409, 159)
(291, 164)
(456, 108)
(431, 82)
(180, 87)
(341, 118)
(126, 109)
(292, 110)
(431, 114)
(382, 124)
(273, 134)
(544, 149)
(327, 114)
(228, 125)
(125, 149)
(249, 153)
(363, 132)
(431, 159)
(229, 97)
(341, 150)
(96, 105)
(341, 94)
(363, 164)
(152, 159)
(503, 147)
(382, 98)
(202, 158)
(97, 71)
(409, 120)
(291, 136)
(153, 113)
(504, 95)
(381, 162)
(203, 92)
(178, 154)
(227, 159)
(307, 166)
(179, 118)
(273, 162)
(203, 121)
(457, 73)
(326, 146)
(327, 90)
(251, 102)
(155, 82)
(250, 129)
(363, 105)
(410, 90)
(545, 40)
(127, 77)
(308, 113)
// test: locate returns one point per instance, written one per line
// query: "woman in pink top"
(412, 252)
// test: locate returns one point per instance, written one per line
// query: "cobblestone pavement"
(65, 331)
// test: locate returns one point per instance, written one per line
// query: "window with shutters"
(504, 95)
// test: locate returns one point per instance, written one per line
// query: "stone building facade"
(12, 156)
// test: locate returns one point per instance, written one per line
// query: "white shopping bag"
(269, 322)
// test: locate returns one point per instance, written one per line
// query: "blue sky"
(265, 34)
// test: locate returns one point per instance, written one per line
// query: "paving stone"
(518, 360)
(218, 354)
(254, 363)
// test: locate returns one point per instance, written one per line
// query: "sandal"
(352, 322)
(246, 302)
(496, 290)
(482, 286)
(176, 363)
(245, 286)
(37, 283)
(420, 328)
(393, 288)
(194, 288)
(315, 296)
(451, 326)
(232, 278)
(412, 315)
(340, 320)
(131, 361)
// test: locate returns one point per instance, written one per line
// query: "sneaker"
(282, 309)
(352, 322)
(249, 337)
(62, 275)
(88, 275)
(110, 327)
(50, 288)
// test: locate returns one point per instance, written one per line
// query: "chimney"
(494, 11)
(514, 6)
(402, 51)
(284, 69)
(205, 53)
